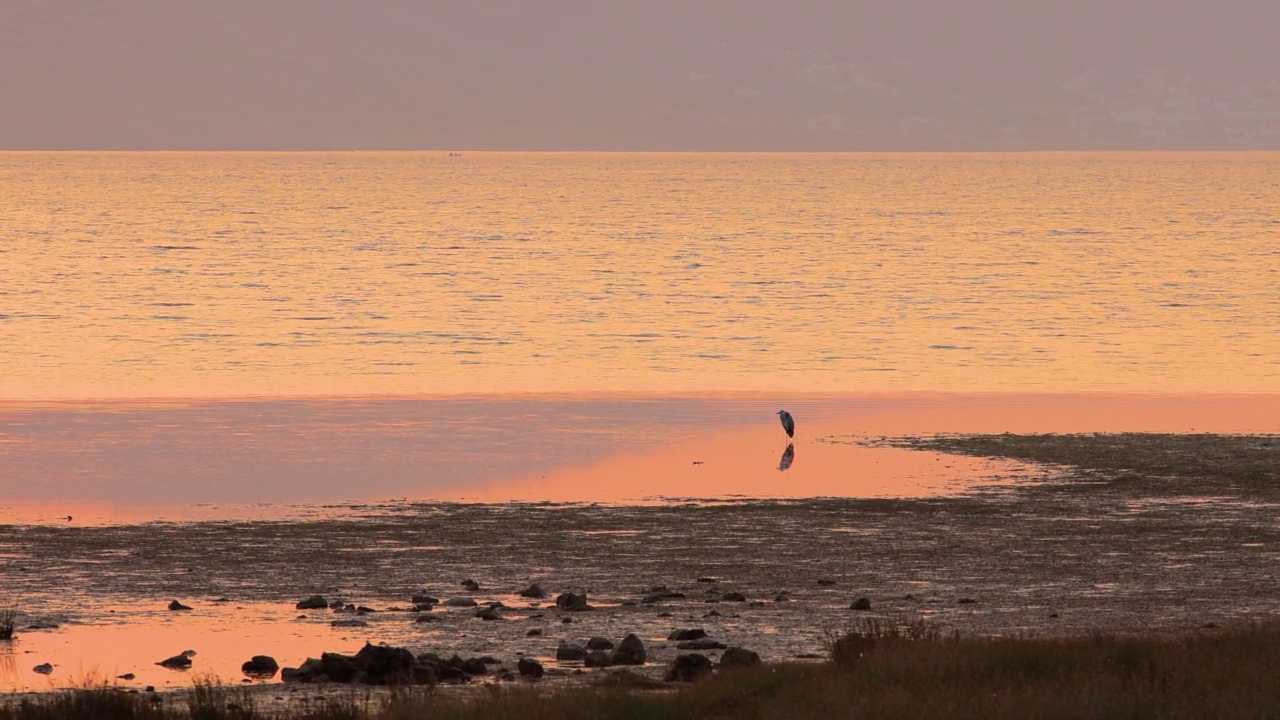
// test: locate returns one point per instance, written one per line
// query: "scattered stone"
(691, 634)
(707, 580)
(43, 669)
(337, 668)
(488, 613)
(460, 602)
(260, 666)
(533, 633)
(567, 620)
(733, 597)
(704, 643)
(126, 676)
(349, 623)
(533, 591)
(423, 607)
(570, 652)
(426, 618)
(470, 585)
(688, 668)
(362, 610)
(629, 652)
(861, 604)
(337, 604)
(175, 605)
(424, 599)
(596, 658)
(530, 668)
(713, 613)
(222, 600)
(44, 626)
(736, 657)
(177, 662)
(599, 643)
(572, 602)
(315, 602)
(966, 601)
(826, 581)
(757, 603)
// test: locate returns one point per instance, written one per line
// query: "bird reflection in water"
(788, 457)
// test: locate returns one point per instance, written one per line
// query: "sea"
(203, 343)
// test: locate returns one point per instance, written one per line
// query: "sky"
(630, 75)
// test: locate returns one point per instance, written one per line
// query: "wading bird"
(787, 423)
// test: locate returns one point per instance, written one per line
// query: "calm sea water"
(143, 275)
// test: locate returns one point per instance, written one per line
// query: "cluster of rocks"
(601, 652)
(385, 665)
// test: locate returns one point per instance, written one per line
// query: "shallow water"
(170, 274)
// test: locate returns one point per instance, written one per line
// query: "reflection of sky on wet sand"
(125, 461)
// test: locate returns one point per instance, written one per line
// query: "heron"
(788, 424)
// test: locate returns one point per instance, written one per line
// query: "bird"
(787, 423)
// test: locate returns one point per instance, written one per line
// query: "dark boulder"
(385, 665)
(533, 591)
(43, 669)
(572, 601)
(470, 585)
(733, 597)
(570, 652)
(533, 633)
(348, 623)
(315, 602)
(691, 634)
(599, 643)
(338, 668)
(703, 643)
(629, 652)
(529, 668)
(425, 599)
(175, 605)
(688, 668)
(596, 658)
(736, 657)
(861, 604)
(260, 666)
(488, 613)
(460, 602)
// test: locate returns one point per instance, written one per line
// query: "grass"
(878, 670)
(8, 618)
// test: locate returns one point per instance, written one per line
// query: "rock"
(126, 676)
(426, 619)
(385, 665)
(566, 620)
(572, 602)
(529, 668)
(825, 581)
(707, 580)
(175, 605)
(782, 597)
(533, 633)
(291, 675)
(45, 668)
(688, 668)
(488, 613)
(349, 623)
(861, 604)
(570, 652)
(423, 607)
(596, 658)
(177, 662)
(315, 602)
(599, 643)
(44, 626)
(691, 634)
(966, 601)
(629, 652)
(424, 599)
(470, 585)
(460, 602)
(733, 597)
(736, 657)
(629, 679)
(261, 666)
(700, 644)
(338, 668)
(533, 591)
(362, 610)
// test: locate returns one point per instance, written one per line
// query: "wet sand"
(1040, 550)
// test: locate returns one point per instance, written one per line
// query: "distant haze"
(632, 75)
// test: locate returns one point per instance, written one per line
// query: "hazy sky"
(639, 75)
